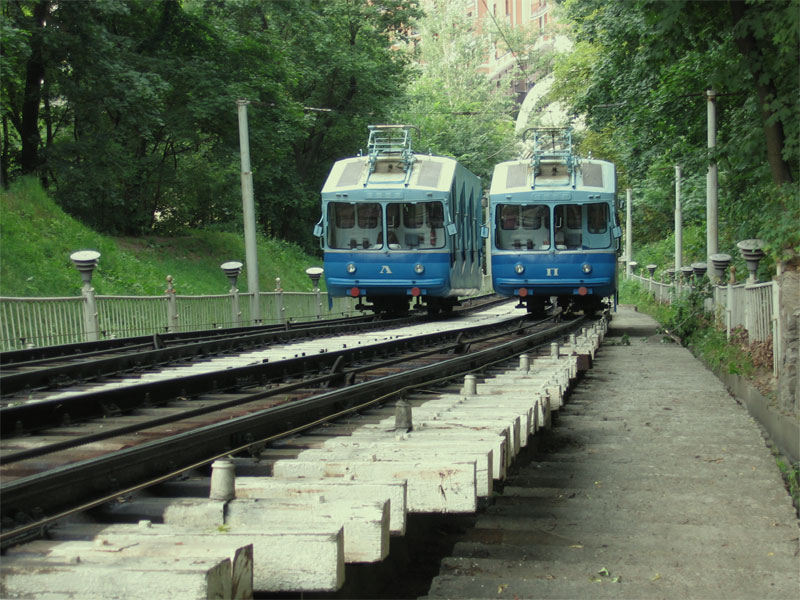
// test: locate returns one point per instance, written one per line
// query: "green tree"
(127, 108)
(23, 52)
(123, 93)
(460, 111)
(343, 75)
(639, 74)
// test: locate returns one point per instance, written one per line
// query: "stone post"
(172, 306)
(279, 308)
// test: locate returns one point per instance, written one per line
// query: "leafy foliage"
(451, 99)
(639, 74)
(791, 478)
(134, 128)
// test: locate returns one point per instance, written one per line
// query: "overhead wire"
(505, 39)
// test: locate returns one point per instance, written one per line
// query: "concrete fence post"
(728, 310)
(748, 312)
(223, 480)
(470, 386)
(236, 311)
(628, 233)
(651, 269)
(90, 316)
(402, 416)
(314, 273)
(172, 306)
(777, 332)
(279, 308)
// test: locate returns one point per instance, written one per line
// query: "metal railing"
(751, 306)
(33, 322)
(30, 322)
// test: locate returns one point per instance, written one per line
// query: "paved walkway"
(653, 483)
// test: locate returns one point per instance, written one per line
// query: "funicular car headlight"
(519, 268)
(419, 269)
(586, 268)
(351, 268)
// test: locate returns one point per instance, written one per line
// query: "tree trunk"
(31, 140)
(781, 173)
(765, 87)
(4, 155)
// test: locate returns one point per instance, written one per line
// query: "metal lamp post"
(719, 262)
(249, 212)
(699, 269)
(687, 273)
(652, 270)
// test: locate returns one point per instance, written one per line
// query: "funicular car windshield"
(575, 227)
(409, 226)
(523, 227)
(416, 225)
(354, 225)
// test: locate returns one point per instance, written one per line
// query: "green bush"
(686, 319)
(791, 477)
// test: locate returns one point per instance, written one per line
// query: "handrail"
(42, 321)
(749, 306)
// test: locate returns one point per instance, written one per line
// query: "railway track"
(24, 374)
(120, 439)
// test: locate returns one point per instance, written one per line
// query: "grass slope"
(37, 238)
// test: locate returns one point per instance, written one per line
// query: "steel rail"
(160, 349)
(339, 373)
(44, 354)
(37, 374)
(110, 474)
(32, 416)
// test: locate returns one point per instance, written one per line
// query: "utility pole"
(678, 221)
(251, 253)
(712, 236)
(628, 234)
